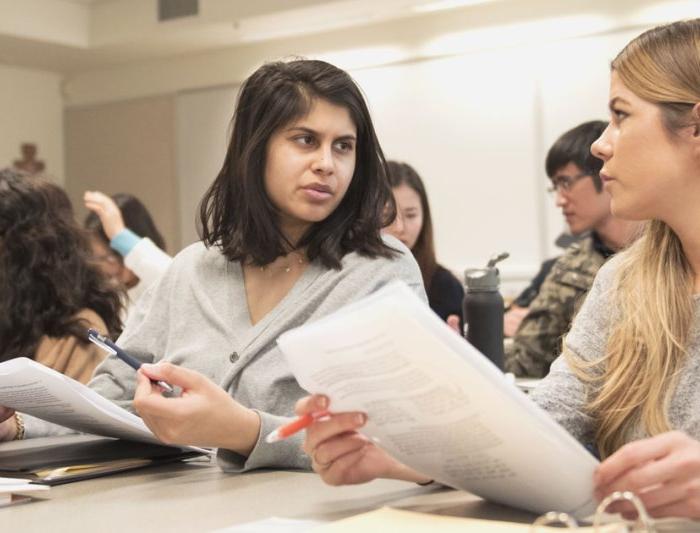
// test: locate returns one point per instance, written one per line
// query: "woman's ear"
(695, 116)
(695, 130)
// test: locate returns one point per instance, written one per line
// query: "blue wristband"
(124, 241)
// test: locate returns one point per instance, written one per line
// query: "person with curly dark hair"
(50, 291)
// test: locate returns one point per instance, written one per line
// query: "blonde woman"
(628, 382)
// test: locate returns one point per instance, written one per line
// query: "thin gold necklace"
(288, 267)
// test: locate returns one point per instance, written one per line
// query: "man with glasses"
(578, 192)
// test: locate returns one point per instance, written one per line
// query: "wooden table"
(198, 496)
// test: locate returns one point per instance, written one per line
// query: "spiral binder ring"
(643, 519)
(642, 516)
(553, 518)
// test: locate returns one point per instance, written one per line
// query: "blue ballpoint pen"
(109, 347)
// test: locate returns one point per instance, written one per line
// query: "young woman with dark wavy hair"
(50, 292)
(291, 232)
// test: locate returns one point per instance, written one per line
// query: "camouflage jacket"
(539, 338)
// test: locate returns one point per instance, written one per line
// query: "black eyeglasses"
(565, 183)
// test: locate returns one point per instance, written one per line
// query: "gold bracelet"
(19, 435)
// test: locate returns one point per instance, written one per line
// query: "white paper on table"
(438, 405)
(30, 387)
(10, 485)
(15, 490)
(273, 524)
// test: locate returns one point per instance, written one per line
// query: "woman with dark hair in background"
(291, 233)
(49, 290)
(122, 224)
(414, 227)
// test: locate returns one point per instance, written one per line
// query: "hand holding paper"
(343, 456)
(434, 403)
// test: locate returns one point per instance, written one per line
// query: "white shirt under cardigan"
(196, 316)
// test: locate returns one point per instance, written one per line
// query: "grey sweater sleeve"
(562, 394)
(36, 427)
(143, 335)
(286, 453)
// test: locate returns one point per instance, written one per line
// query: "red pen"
(293, 427)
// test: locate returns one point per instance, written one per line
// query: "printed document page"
(32, 388)
(437, 404)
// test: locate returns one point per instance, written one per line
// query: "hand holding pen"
(111, 348)
(204, 414)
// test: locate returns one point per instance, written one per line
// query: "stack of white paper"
(11, 488)
(437, 404)
(29, 387)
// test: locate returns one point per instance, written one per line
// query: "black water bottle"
(483, 310)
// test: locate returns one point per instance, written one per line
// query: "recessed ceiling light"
(441, 5)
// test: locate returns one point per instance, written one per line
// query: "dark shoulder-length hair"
(236, 213)
(46, 275)
(424, 249)
(136, 218)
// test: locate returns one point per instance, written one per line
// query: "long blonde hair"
(632, 384)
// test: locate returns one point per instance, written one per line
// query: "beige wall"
(472, 98)
(126, 147)
(31, 110)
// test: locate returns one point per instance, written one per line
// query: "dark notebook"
(64, 463)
